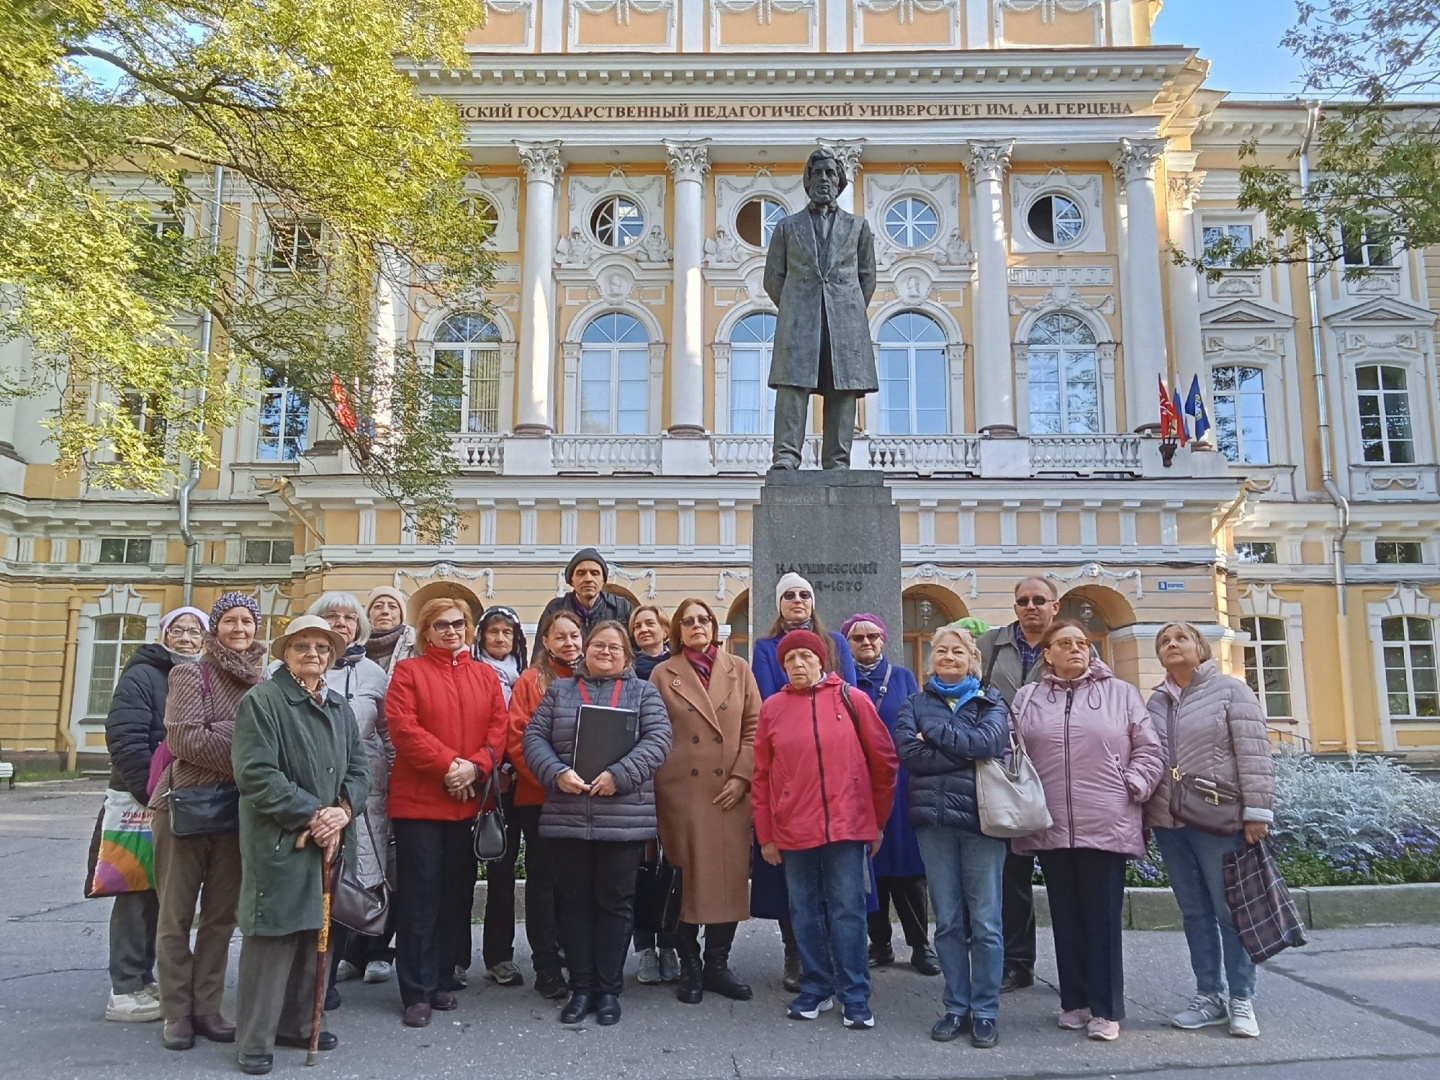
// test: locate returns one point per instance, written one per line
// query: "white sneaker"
(345, 971)
(1242, 1018)
(378, 971)
(1204, 1010)
(136, 1008)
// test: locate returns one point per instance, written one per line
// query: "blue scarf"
(956, 694)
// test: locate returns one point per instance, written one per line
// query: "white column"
(536, 364)
(1145, 361)
(848, 153)
(1122, 26)
(837, 14)
(994, 360)
(1184, 281)
(977, 24)
(688, 163)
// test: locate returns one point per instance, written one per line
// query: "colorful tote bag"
(122, 852)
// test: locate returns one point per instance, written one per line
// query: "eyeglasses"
(1032, 601)
(867, 637)
(795, 594)
(305, 648)
(184, 631)
(444, 627)
(342, 616)
(695, 620)
(600, 646)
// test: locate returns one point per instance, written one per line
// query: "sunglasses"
(445, 627)
(304, 648)
(867, 637)
(795, 594)
(695, 620)
(1032, 601)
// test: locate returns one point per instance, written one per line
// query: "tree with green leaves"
(1375, 151)
(117, 118)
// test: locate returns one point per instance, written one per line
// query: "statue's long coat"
(800, 286)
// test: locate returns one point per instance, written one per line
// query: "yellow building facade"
(1027, 167)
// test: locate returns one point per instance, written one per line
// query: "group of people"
(816, 786)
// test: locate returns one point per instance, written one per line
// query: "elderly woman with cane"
(301, 769)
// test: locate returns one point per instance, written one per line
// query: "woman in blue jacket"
(939, 734)
(899, 870)
(795, 601)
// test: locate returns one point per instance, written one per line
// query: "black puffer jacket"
(607, 607)
(942, 765)
(136, 723)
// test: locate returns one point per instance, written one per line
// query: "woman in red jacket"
(822, 791)
(447, 719)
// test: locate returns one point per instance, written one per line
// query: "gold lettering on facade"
(885, 110)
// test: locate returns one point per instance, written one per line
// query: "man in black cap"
(586, 575)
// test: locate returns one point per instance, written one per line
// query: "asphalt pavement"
(1352, 1004)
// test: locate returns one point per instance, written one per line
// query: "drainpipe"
(67, 682)
(1327, 469)
(207, 324)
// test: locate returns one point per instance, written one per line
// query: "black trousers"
(498, 940)
(1017, 911)
(541, 902)
(908, 896)
(435, 865)
(597, 909)
(1087, 909)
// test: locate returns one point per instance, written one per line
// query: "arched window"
(1076, 605)
(1408, 642)
(116, 639)
(913, 389)
(923, 615)
(614, 376)
(284, 419)
(752, 402)
(1240, 414)
(467, 373)
(1064, 377)
(1384, 401)
(738, 643)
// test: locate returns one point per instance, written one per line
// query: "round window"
(911, 222)
(757, 219)
(617, 222)
(478, 206)
(1055, 220)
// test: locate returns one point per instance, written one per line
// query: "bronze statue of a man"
(820, 272)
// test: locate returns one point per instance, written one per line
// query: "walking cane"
(322, 967)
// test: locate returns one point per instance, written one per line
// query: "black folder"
(602, 737)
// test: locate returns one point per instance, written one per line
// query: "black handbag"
(355, 906)
(489, 838)
(658, 888)
(205, 810)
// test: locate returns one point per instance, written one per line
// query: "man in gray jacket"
(1011, 658)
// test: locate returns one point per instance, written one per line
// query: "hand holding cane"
(322, 968)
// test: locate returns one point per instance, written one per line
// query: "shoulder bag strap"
(990, 665)
(854, 719)
(885, 683)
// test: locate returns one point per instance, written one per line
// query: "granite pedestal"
(840, 530)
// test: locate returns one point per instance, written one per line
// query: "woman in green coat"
(300, 767)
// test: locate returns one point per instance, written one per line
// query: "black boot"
(691, 988)
(719, 978)
(791, 980)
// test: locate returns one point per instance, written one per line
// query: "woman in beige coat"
(702, 795)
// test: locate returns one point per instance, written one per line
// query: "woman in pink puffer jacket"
(1099, 758)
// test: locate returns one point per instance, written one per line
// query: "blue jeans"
(1193, 861)
(964, 871)
(827, 887)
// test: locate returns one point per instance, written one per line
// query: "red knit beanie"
(801, 639)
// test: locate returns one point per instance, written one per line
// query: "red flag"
(344, 415)
(1169, 415)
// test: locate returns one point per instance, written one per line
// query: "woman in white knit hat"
(390, 639)
(795, 602)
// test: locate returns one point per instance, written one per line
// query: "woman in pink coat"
(1099, 757)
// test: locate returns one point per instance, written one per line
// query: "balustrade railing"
(1084, 454)
(605, 453)
(480, 453)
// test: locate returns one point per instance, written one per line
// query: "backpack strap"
(990, 665)
(854, 719)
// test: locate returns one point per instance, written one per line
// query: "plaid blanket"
(1265, 916)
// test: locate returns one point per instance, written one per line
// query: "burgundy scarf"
(703, 662)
